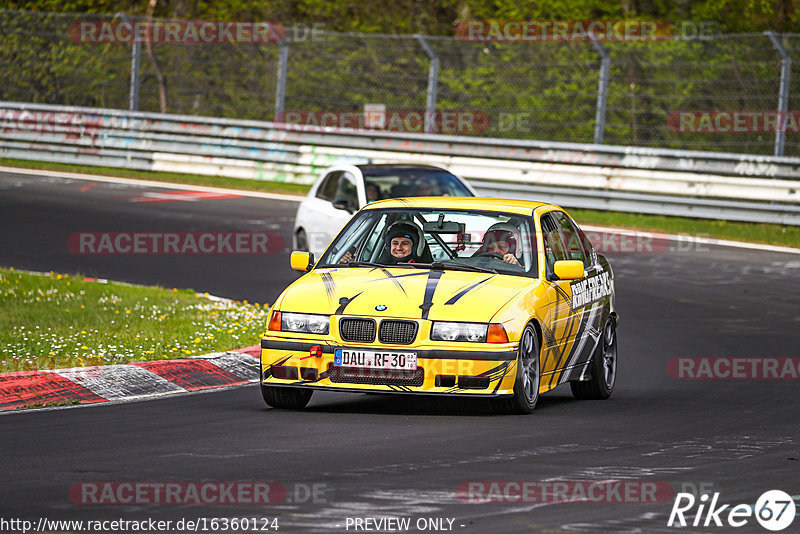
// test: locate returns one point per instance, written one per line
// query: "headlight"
(305, 322)
(473, 332)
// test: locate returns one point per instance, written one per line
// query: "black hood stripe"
(343, 302)
(463, 292)
(430, 289)
(330, 285)
(389, 275)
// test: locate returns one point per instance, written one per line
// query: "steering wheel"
(491, 255)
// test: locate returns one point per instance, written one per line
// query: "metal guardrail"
(644, 180)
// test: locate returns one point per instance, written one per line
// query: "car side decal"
(589, 290)
(585, 332)
(463, 292)
(573, 319)
(576, 322)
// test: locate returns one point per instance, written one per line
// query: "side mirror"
(343, 204)
(568, 269)
(301, 261)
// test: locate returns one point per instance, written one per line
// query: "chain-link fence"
(550, 91)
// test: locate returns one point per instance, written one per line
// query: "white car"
(344, 189)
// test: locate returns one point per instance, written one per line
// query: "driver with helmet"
(404, 241)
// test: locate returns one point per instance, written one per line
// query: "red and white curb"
(133, 381)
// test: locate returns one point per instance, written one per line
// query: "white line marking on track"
(149, 183)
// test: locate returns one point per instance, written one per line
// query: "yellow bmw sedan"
(495, 298)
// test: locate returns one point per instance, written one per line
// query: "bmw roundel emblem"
(381, 307)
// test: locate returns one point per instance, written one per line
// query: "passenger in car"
(500, 240)
(373, 192)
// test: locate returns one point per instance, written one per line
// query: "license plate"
(372, 359)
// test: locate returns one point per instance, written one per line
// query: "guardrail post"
(783, 93)
(136, 55)
(280, 89)
(433, 84)
(602, 91)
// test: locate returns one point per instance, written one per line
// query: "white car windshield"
(393, 182)
(447, 239)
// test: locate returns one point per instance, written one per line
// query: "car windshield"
(394, 182)
(441, 239)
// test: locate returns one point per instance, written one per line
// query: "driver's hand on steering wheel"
(347, 258)
(510, 258)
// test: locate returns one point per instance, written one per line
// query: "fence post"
(433, 84)
(602, 91)
(280, 89)
(136, 55)
(783, 93)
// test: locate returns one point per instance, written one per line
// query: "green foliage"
(440, 18)
(530, 90)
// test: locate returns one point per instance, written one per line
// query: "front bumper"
(295, 362)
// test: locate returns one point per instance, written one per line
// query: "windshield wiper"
(460, 267)
(362, 264)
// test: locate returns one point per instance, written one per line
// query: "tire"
(287, 398)
(301, 241)
(526, 386)
(603, 367)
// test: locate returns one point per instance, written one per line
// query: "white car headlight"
(305, 322)
(445, 331)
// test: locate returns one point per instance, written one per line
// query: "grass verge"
(773, 234)
(59, 321)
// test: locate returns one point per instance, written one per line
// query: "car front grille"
(376, 377)
(397, 332)
(362, 330)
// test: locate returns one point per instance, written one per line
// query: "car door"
(564, 323)
(588, 295)
(318, 217)
(345, 203)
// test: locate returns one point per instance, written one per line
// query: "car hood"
(405, 292)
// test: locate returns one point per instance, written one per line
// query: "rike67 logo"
(774, 510)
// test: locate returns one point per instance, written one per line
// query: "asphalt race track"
(351, 456)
